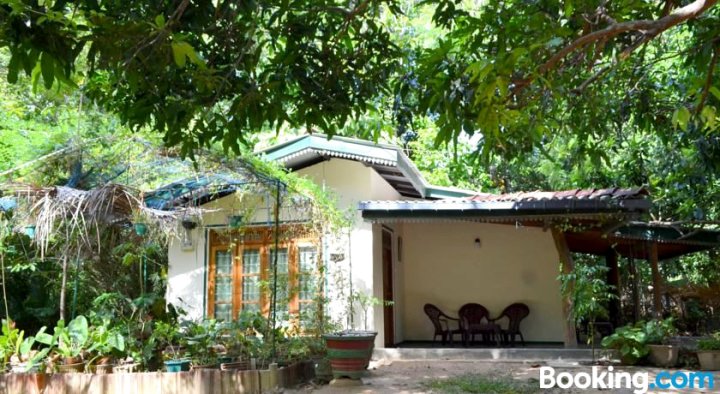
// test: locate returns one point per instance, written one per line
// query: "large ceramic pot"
(665, 356)
(709, 360)
(349, 352)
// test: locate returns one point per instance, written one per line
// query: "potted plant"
(106, 342)
(169, 338)
(202, 344)
(71, 341)
(350, 350)
(26, 359)
(9, 338)
(709, 352)
(235, 221)
(660, 353)
(139, 222)
(630, 342)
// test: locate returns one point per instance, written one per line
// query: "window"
(240, 272)
(250, 280)
(222, 285)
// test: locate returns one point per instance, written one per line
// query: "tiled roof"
(615, 193)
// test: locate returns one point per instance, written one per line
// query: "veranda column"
(570, 337)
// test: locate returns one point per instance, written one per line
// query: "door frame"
(388, 293)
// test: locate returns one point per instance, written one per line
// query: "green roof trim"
(309, 149)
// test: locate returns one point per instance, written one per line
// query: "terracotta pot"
(104, 365)
(709, 360)
(350, 352)
(665, 356)
(235, 366)
(71, 368)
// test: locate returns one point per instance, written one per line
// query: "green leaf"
(47, 67)
(709, 115)
(681, 118)
(183, 51)
(160, 21)
(715, 92)
(178, 54)
(14, 68)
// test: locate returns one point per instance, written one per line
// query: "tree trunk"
(63, 287)
(657, 282)
(613, 279)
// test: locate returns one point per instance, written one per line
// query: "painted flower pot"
(665, 356)
(30, 231)
(349, 352)
(177, 365)
(709, 360)
(140, 229)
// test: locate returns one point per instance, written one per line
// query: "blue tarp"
(196, 191)
(7, 203)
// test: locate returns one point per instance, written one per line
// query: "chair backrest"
(434, 314)
(473, 313)
(515, 313)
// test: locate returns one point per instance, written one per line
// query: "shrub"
(712, 343)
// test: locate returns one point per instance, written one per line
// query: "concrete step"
(489, 354)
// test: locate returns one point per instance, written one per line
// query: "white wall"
(350, 182)
(442, 265)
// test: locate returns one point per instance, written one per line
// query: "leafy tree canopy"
(515, 72)
(204, 71)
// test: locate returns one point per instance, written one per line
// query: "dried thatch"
(75, 214)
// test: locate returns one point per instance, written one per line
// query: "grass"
(481, 384)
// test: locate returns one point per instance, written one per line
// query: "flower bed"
(198, 381)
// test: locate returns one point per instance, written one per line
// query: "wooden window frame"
(262, 239)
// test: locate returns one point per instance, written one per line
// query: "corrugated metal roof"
(389, 161)
(573, 194)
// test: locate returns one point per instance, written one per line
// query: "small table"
(488, 331)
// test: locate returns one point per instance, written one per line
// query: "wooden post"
(657, 281)
(613, 279)
(570, 336)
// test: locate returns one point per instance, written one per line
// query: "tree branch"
(599, 73)
(650, 28)
(708, 79)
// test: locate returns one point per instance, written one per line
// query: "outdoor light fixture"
(187, 242)
(478, 244)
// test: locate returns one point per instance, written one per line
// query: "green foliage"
(214, 70)
(10, 341)
(632, 340)
(106, 340)
(201, 338)
(658, 331)
(590, 291)
(72, 339)
(711, 343)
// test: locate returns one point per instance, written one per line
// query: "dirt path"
(413, 376)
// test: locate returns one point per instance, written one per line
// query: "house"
(411, 243)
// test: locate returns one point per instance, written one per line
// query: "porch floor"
(531, 352)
